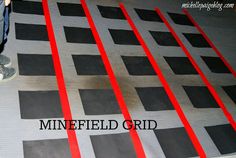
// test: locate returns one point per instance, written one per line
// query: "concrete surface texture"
(33, 94)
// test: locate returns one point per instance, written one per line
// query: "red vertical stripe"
(74, 148)
(133, 133)
(205, 80)
(210, 42)
(166, 86)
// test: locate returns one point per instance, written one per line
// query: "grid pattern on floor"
(35, 96)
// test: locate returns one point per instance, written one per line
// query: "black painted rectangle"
(124, 37)
(28, 7)
(113, 146)
(111, 12)
(148, 15)
(200, 97)
(89, 65)
(164, 38)
(196, 40)
(231, 91)
(70, 9)
(35, 65)
(224, 137)
(180, 19)
(49, 148)
(175, 143)
(40, 104)
(31, 32)
(181, 65)
(154, 98)
(137, 65)
(79, 35)
(99, 101)
(215, 64)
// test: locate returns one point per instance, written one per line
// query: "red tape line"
(210, 43)
(166, 86)
(74, 147)
(203, 77)
(133, 133)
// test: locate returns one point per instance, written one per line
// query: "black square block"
(89, 65)
(181, 65)
(175, 143)
(70, 9)
(40, 104)
(180, 19)
(124, 37)
(224, 137)
(196, 40)
(215, 64)
(138, 65)
(35, 65)
(31, 32)
(111, 12)
(50, 148)
(99, 101)
(79, 35)
(200, 97)
(164, 38)
(148, 15)
(28, 7)
(113, 145)
(154, 98)
(231, 91)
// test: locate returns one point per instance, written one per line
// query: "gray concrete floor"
(18, 135)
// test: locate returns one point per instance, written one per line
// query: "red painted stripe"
(133, 133)
(210, 42)
(205, 80)
(74, 148)
(166, 86)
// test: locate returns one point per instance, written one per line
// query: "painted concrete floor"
(34, 93)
